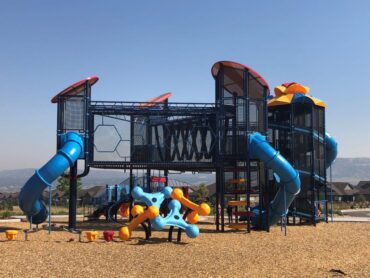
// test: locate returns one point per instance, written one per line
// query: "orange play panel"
(237, 203)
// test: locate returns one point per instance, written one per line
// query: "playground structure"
(116, 201)
(297, 122)
(153, 202)
(228, 137)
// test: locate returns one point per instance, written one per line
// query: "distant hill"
(345, 169)
(351, 169)
(13, 180)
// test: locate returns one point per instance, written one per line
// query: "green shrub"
(5, 214)
(360, 198)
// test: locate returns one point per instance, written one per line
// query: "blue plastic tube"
(30, 197)
(290, 183)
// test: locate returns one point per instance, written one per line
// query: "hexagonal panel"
(106, 138)
(123, 150)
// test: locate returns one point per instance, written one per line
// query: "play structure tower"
(227, 136)
(241, 95)
(297, 122)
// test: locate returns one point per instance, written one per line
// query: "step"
(241, 191)
(237, 181)
(237, 203)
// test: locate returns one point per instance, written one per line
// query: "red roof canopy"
(230, 64)
(154, 101)
(76, 88)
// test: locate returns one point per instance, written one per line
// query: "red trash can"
(108, 235)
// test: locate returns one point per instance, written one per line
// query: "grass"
(338, 206)
(62, 210)
(55, 210)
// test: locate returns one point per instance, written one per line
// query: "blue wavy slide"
(331, 149)
(288, 177)
(30, 197)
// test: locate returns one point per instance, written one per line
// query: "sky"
(140, 49)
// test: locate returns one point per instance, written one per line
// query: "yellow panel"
(279, 90)
(281, 100)
(237, 203)
(318, 102)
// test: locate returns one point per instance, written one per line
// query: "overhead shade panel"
(233, 76)
(76, 88)
(295, 98)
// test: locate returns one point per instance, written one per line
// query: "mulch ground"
(328, 250)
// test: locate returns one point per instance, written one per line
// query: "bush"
(360, 198)
(5, 214)
(202, 193)
(6, 205)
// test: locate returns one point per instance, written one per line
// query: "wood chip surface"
(327, 250)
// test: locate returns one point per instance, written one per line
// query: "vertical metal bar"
(149, 139)
(222, 178)
(49, 210)
(235, 154)
(313, 182)
(265, 110)
(219, 169)
(217, 198)
(165, 172)
(131, 188)
(248, 168)
(260, 196)
(116, 200)
(148, 187)
(265, 192)
(72, 197)
(267, 187)
(285, 213)
(331, 195)
(87, 119)
(292, 150)
(325, 166)
(90, 131)
(132, 140)
(59, 121)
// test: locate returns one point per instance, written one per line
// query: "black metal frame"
(317, 178)
(204, 125)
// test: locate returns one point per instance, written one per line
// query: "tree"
(63, 184)
(360, 198)
(202, 193)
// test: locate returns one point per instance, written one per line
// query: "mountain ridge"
(350, 170)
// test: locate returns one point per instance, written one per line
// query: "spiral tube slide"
(30, 197)
(331, 149)
(290, 183)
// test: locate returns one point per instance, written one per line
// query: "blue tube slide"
(331, 149)
(30, 197)
(290, 183)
